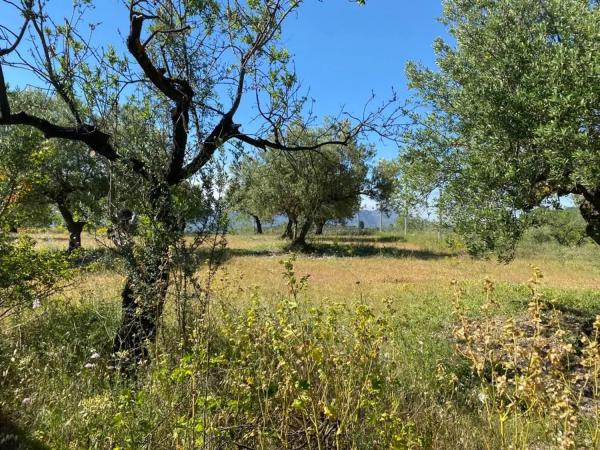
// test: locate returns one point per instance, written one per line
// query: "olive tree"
(20, 203)
(194, 62)
(510, 121)
(307, 187)
(247, 192)
(61, 174)
(384, 187)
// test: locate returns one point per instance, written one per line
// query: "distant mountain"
(369, 217)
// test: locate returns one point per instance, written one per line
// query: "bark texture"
(319, 225)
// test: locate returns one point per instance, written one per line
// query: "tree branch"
(177, 90)
(27, 12)
(264, 144)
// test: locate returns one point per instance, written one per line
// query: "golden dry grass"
(254, 263)
(417, 270)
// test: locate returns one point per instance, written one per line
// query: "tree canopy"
(63, 174)
(308, 187)
(510, 121)
(183, 72)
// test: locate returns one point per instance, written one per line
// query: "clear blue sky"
(342, 51)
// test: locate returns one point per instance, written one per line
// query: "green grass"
(366, 348)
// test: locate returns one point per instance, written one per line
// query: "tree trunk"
(300, 237)
(289, 230)
(73, 227)
(144, 294)
(440, 223)
(381, 220)
(75, 230)
(590, 211)
(142, 303)
(258, 225)
(319, 225)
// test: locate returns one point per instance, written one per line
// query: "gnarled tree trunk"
(142, 303)
(289, 230)
(144, 294)
(75, 230)
(300, 237)
(73, 227)
(590, 211)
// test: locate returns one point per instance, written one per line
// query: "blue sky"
(342, 51)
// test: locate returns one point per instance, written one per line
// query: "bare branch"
(27, 12)
(154, 33)
(265, 144)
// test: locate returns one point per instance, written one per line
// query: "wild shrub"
(290, 376)
(281, 373)
(539, 374)
(27, 275)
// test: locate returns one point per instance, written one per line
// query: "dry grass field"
(378, 269)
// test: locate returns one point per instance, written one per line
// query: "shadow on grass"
(578, 309)
(14, 438)
(334, 249)
(357, 239)
(359, 246)
(101, 258)
(578, 320)
(365, 250)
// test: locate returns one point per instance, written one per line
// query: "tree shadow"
(357, 239)
(578, 320)
(366, 250)
(332, 249)
(13, 437)
(327, 249)
(100, 257)
(231, 252)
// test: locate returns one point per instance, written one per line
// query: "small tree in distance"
(62, 174)
(247, 193)
(384, 185)
(308, 187)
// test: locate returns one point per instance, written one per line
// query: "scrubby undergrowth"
(298, 371)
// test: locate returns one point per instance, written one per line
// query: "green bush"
(566, 227)
(27, 275)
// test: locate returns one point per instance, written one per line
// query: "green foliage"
(249, 192)
(27, 276)
(20, 203)
(539, 371)
(566, 227)
(46, 172)
(264, 368)
(262, 375)
(384, 184)
(306, 186)
(510, 120)
(298, 375)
